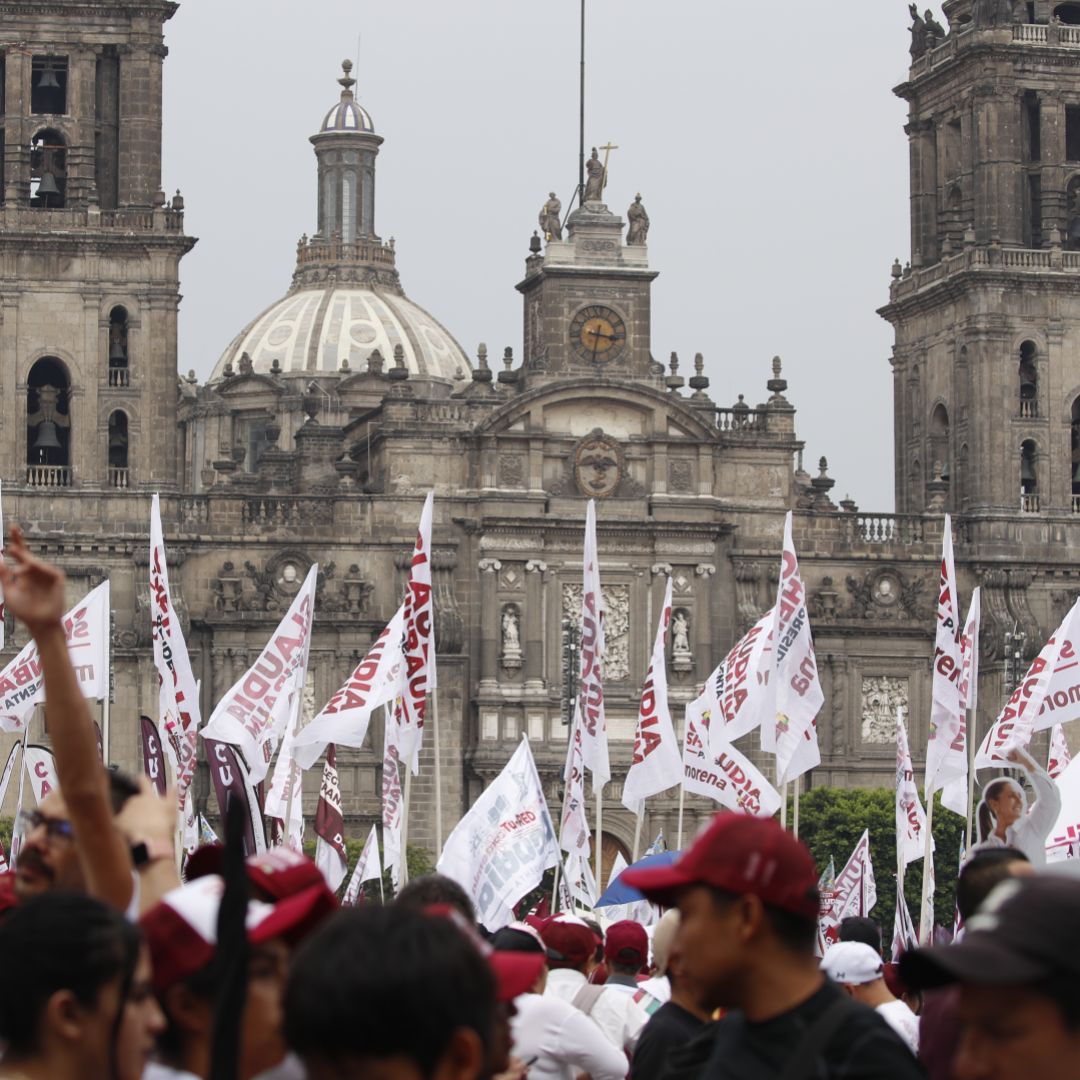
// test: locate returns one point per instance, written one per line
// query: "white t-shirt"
(903, 1021)
(563, 1041)
(1030, 833)
(616, 1013)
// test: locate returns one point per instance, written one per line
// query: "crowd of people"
(119, 967)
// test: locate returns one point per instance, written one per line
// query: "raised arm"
(34, 594)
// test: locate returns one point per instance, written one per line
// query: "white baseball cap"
(852, 962)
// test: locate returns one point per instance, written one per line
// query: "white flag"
(345, 718)
(500, 849)
(574, 826)
(594, 742)
(741, 692)
(22, 683)
(41, 771)
(1047, 687)
(904, 936)
(263, 705)
(855, 892)
(793, 737)
(656, 764)
(969, 653)
(367, 869)
(178, 694)
(3, 629)
(285, 798)
(1060, 757)
(580, 881)
(419, 615)
(910, 816)
(393, 809)
(729, 777)
(946, 749)
(330, 854)
(9, 768)
(1064, 839)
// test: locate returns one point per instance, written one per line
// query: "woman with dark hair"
(76, 1002)
(1005, 821)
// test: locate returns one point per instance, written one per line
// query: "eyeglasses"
(55, 828)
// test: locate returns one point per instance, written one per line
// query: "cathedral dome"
(347, 116)
(313, 330)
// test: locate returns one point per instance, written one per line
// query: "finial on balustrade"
(777, 385)
(674, 382)
(699, 381)
(481, 373)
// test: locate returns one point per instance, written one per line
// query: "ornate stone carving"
(489, 566)
(882, 695)
(824, 602)
(747, 579)
(356, 591)
(616, 665)
(681, 475)
(638, 229)
(884, 595)
(511, 637)
(598, 465)
(511, 470)
(227, 588)
(681, 657)
(1005, 609)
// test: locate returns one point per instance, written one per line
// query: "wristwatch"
(148, 851)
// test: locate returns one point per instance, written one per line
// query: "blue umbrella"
(620, 893)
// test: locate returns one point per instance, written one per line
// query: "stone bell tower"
(987, 313)
(89, 250)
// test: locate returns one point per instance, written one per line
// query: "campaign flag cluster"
(590, 720)
(855, 892)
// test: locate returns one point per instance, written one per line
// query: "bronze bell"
(1027, 389)
(46, 436)
(47, 185)
(1027, 470)
(48, 80)
(117, 350)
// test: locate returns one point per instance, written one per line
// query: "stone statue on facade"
(918, 32)
(990, 13)
(680, 634)
(511, 638)
(638, 229)
(935, 32)
(594, 185)
(551, 218)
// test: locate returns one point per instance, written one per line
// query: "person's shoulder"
(868, 1046)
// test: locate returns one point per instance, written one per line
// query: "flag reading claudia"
(419, 645)
(910, 815)
(946, 748)
(367, 869)
(257, 710)
(729, 776)
(345, 718)
(22, 684)
(740, 693)
(592, 724)
(178, 692)
(1049, 686)
(655, 766)
(330, 855)
(793, 735)
(500, 849)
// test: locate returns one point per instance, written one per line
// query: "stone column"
(702, 625)
(534, 624)
(489, 625)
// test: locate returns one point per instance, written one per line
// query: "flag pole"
(403, 869)
(682, 785)
(555, 886)
(971, 775)
(795, 808)
(599, 829)
(928, 853)
(783, 805)
(438, 765)
(638, 820)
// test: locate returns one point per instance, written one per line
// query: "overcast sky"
(764, 138)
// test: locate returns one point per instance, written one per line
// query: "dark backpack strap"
(802, 1062)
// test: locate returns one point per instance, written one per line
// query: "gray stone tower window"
(48, 85)
(48, 170)
(1072, 132)
(48, 424)
(1074, 468)
(1068, 13)
(1033, 124)
(1029, 477)
(118, 449)
(1029, 379)
(119, 353)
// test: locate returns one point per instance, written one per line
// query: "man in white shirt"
(558, 1041)
(858, 969)
(572, 955)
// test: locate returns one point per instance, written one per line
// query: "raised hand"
(33, 590)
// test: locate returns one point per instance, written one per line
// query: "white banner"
(2, 627)
(285, 799)
(178, 693)
(9, 768)
(904, 936)
(793, 737)
(1050, 687)
(594, 741)
(1060, 758)
(345, 718)
(22, 683)
(580, 883)
(262, 706)
(741, 692)
(656, 764)
(393, 808)
(910, 816)
(946, 752)
(855, 893)
(500, 849)
(419, 615)
(729, 776)
(41, 771)
(367, 869)
(574, 825)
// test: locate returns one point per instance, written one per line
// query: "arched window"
(118, 449)
(939, 441)
(48, 424)
(1029, 380)
(1029, 477)
(1074, 470)
(118, 347)
(48, 170)
(1072, 209)
(1068, 13)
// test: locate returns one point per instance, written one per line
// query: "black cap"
(1026, 930)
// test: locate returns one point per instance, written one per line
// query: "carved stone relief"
(882, 695)
(616, 625)
(885, 594)
(511, 470)
(680, 475)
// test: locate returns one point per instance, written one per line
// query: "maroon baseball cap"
(626, 943)
(568, 940)
(277, 873)
(742, 855)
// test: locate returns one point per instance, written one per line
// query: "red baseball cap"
(568, 940)
(742, 855)
(181, 929)
(626, 943)
(278, 872)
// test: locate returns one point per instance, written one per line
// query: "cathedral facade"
(333, 412)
